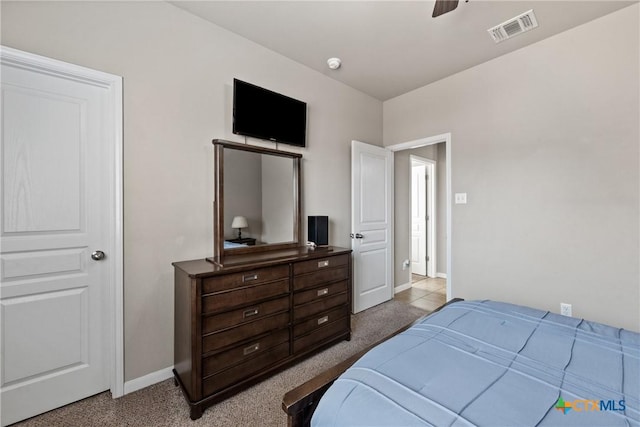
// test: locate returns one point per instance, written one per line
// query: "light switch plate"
(461, 198)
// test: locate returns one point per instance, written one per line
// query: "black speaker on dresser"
(318, 230)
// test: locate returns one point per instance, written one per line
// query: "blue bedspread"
(485, 363)
(231, 245)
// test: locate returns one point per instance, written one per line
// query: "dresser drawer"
(303, 311)
(320, 264)
(243, 296)
(320, 277)
(321, 320)
(244, 314)
(244, 352)
(244, 278)
(244, 370)
(243, 332)
(333, 329)
(322, 292)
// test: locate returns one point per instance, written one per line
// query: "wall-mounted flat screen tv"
(261, 113)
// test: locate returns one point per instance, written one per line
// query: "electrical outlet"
(565, 309)
(460, 198)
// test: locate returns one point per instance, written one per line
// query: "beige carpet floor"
(163, 404)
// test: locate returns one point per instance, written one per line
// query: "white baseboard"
(401, 288)
(147, 380)
(441, 275)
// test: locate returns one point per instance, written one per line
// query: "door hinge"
(427, 257)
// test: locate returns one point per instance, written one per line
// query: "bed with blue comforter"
(486, 363)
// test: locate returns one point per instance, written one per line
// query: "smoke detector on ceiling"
(518, 25)
(334, 63)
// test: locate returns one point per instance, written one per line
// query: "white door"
(371, 224)
(430, 177)
(57, 209)
(418, 219)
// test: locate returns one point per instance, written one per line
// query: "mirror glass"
(257, 200)
(260, 188)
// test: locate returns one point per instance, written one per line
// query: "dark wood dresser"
(256, 314)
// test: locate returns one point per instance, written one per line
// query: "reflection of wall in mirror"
(277, 199)
(242, 192)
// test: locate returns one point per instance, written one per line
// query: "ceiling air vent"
(521, 23)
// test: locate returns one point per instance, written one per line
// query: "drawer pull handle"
(323, 320)
(322, 292)
(250, 312)
(249, 277)
(324, 263)
(252, 348)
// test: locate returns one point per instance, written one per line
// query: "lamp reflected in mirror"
(239, 222)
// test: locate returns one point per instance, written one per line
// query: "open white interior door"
(418, 219)
(371, 224)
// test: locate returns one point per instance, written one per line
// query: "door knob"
(97, 255)
(359, 236)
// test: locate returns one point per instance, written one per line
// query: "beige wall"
(545, 142)
(178, 73)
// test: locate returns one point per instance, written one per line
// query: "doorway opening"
(443, 277)
(426, 289)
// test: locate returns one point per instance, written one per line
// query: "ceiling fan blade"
(444, 6)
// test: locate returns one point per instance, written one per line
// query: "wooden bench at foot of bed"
(301, 402)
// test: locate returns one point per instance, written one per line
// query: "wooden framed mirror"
(256, 190)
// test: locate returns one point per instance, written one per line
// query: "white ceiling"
(391, 47)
